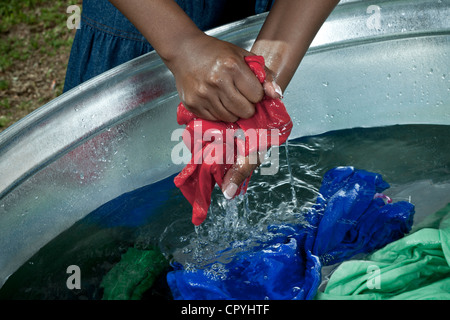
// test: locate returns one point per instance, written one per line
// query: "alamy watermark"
(74, 280)
(374, 21)
(224, 147)
(374, 280)
(73, 21)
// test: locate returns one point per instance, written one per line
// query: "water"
(413, 159)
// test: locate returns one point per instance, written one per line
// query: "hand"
(236, 175)
(214, 82)
(244, 167)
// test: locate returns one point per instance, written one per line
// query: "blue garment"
(106, 38)
(346, 220)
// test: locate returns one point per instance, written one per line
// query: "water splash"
(241, 224)
(294, 196)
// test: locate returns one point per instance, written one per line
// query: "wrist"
(180, 48)
(279, 59)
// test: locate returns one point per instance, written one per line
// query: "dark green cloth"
(133, 274)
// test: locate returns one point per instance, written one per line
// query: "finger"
(202, 113)
(271, 88)
(235, 176)
(248, 85)
(223, 113)
(236, 103)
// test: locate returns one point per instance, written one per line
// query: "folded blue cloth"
(348, 218)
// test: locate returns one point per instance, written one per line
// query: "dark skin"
(212, 78)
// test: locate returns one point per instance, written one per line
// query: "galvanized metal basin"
(373, 63)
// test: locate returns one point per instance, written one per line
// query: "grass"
(48, 29)
(34, 49)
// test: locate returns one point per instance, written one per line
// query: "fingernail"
(277, 89)
(230, 191)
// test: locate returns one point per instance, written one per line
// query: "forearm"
(162, 22)
(287, 34)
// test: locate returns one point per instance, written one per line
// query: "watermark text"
(229, 146)
(374, 21)
(73, 21)
(74, 280)
(374, 280)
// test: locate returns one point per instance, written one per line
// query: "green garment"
(133, 274)
(416, 267)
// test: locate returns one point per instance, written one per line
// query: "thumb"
(236, 175)
(271, 88)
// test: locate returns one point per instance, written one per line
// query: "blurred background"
(35, 46)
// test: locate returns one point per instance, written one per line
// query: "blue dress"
(106, 38)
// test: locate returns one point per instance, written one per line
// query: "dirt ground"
(35, 66)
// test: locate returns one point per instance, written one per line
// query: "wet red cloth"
(214, 147)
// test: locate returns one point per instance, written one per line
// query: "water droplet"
(186, 250)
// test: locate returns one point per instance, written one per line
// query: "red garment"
(214, 147)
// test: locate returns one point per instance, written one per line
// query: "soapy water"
(241, 223)
(413, 159)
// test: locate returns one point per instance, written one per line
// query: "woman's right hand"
(213, 80)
